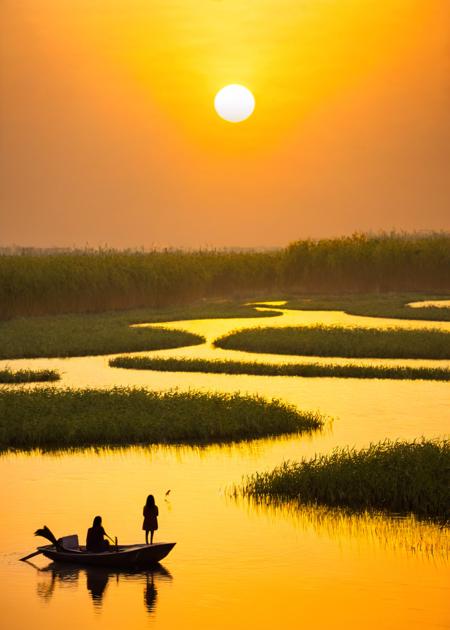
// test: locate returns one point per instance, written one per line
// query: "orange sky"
(109, 136)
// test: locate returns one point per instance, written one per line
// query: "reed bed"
(104, 280)
(307, 370)
(34, 283)
(28, 376)
(400, 477)
(108, 333)
(50, 418)
(98, 335)
(338, 341)
(364, 263)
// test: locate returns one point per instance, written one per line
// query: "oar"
(45, 533)
(113, 540)
(31, 555)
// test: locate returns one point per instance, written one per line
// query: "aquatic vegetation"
(364, 263)
(36, 283)
(28, 376)
(78, 336)
(55, 418)
(400, 477)
(272, 369)
(338, 341)
(33, 284)
(108, 333)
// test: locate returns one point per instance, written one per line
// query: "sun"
(234, 103)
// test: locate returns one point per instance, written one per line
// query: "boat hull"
(127, 556)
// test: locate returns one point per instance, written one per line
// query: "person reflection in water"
(96, 582)
(150, 594)
(150, 523)
(95, 539)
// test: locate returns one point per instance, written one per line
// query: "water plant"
(28, 376)
(339, 341)
(308, 370)
(34, 282)
(107, 333)
(401, 477)
(62, 418)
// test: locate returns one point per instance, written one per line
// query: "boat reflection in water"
(98, 579)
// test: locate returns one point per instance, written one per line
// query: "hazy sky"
(109, 135)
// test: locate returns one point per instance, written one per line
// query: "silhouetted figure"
(150, 523)
(95, 539)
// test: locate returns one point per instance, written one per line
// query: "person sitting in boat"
(95, 539)
(150, 523)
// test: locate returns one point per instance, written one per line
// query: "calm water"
(235, 563)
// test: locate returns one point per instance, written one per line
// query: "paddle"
(31, 555)
(113, 540)
(45, 533)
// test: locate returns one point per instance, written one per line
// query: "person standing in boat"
(95, 539)
(150, 523)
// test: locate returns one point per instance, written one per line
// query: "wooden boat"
(124, 556)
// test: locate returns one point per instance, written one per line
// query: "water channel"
(235, 563)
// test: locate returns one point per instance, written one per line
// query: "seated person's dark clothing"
(95, 540)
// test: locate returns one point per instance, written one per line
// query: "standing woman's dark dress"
(150, 523)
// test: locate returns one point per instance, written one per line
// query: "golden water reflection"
(230, 555)
(236, 562)
(400, 534)
(97, 581)
(95, 371)
(430, 304)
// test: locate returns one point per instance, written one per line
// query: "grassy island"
(338, 341)
(308, 370)
(401, 477)
(28, 376)
(111, 332)
(63, 418)
(96, 335)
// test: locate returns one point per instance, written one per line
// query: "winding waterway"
(236, 563)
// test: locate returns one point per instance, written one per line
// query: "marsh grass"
(46, 283)
(400, 477)
(98, 335)
(308, 370)
(109, 333)
(28, 376)
(34, 283)
(52, 418)
(337, 341)
(366, 263)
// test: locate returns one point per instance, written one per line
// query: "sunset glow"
(349, 100)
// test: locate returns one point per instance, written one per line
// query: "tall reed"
(337, 341)
(396, 476)
(307, 370)
(42, 283)
(28, 376)
(62, 418)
